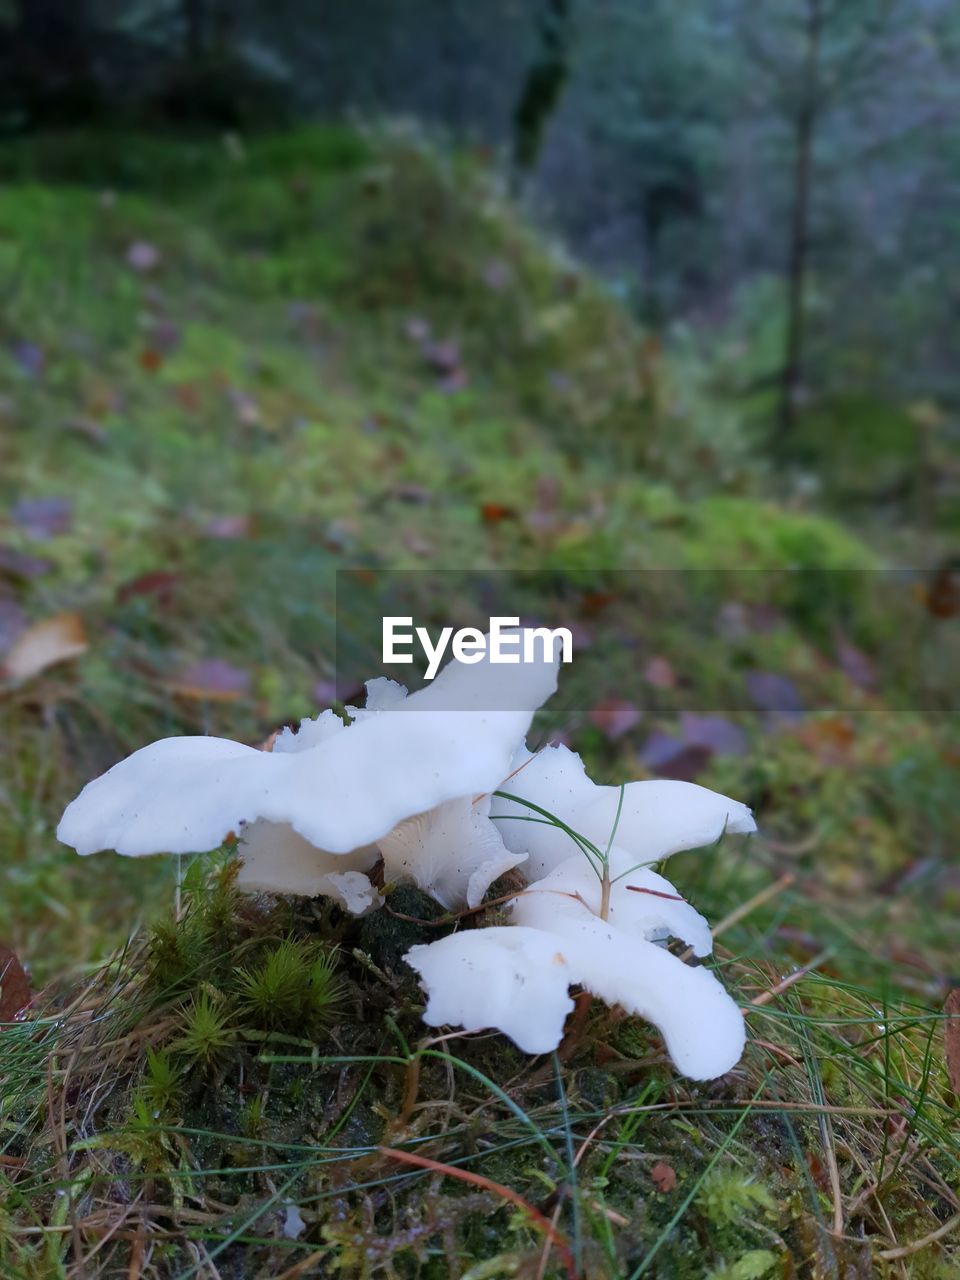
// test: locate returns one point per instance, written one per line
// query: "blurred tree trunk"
(194, 21)
(543, 86)
(797, 262)
(452, 50)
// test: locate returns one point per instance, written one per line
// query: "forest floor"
(229, 370)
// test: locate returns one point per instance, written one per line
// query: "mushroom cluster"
(440, 786)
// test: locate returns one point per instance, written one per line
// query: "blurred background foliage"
(780, 180)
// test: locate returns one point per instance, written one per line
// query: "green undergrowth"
(230, 1091)
(231, 427)
(247, 364)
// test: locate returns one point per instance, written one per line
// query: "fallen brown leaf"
(667, 757)
(44, 644)
(188, 397)
(951, 1037)
(229, 528)
(13, 621)
(664, 1176)
(831, 739)
(660, 673)
(593, 603)
(856, 665)
(771, 691)
(614, 717)
(818, 1171)
(15, 993)
(212, 680)
(22, 567)
(494, 513)
(159, 582)
(150, 360)
(943, 591)
(43, 518)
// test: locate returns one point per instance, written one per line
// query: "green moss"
(292, 987)
(752, 1265)
(863, 444)
(728, 1196)
(736, 533)
(386, 935)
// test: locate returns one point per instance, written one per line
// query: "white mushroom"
(641, 902)
(411, 780)
(339, 788)
(658, 818)
(478, 979)
(616, 960)
(513, 979)
(454, 852)
(275, 859)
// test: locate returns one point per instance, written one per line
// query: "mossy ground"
(191, 1136)
(350, 351)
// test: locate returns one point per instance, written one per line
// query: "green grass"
(268, 368)
(205, 1108)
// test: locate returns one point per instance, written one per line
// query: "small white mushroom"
(641, 902)
(454, 852)
(275, 859)
(293, 1223)
(702, 1026)
(482, 978)
(657, 818)
(513, 979)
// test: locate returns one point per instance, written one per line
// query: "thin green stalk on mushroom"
(441, 787)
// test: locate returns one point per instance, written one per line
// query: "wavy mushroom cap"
(343, 789)
(513, 979)
(657, 818)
